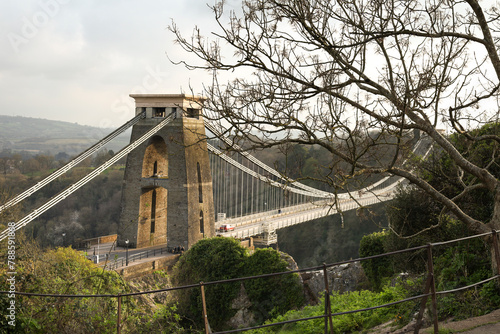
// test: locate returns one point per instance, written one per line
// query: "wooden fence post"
(328, 308)
(423, 302)
(430, 264)
(429, 285)
(205, 318)
(497, 253)
(118, 314)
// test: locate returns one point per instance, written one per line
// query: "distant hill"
(36, 135)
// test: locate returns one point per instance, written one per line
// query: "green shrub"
(62, 271)
(164, 320)
(273, 295)
(461, 265)
(353, 322)
(379, 268)
(224, 258)
(209, 260)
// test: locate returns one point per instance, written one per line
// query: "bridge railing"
(112, 264)
(246, 226)
(429, 289)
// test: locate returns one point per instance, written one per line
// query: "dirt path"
(486, 324)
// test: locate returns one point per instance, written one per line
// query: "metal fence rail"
(429, 289)
(111, 264)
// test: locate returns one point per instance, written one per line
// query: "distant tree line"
(91, 211)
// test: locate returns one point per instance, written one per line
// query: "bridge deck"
(270, 221)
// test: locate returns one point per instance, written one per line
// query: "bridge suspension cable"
(82, 156)
(317, 192)
(423, 147)
(77, 185)
(256, 175)
(392, 180)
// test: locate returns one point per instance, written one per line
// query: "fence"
(429, 289)
(111, 264)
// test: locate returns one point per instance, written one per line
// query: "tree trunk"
(494, 224)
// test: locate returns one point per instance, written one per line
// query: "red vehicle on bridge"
(226, 227)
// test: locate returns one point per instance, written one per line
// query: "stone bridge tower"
(167, 187)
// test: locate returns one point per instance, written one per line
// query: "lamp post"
(126, 253)
(63, 235)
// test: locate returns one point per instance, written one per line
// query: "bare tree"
(334, 73)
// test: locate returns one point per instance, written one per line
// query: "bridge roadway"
(268, 222)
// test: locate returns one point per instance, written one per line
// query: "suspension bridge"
(179, 186)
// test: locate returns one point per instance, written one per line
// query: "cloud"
(72, 60)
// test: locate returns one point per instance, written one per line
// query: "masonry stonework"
(167, 187)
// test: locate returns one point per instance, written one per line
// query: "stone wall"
(247, 243)
(100, 240)
(136, 270)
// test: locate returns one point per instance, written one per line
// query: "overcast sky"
(77, 61)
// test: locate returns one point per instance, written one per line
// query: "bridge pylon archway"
(167, 187)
